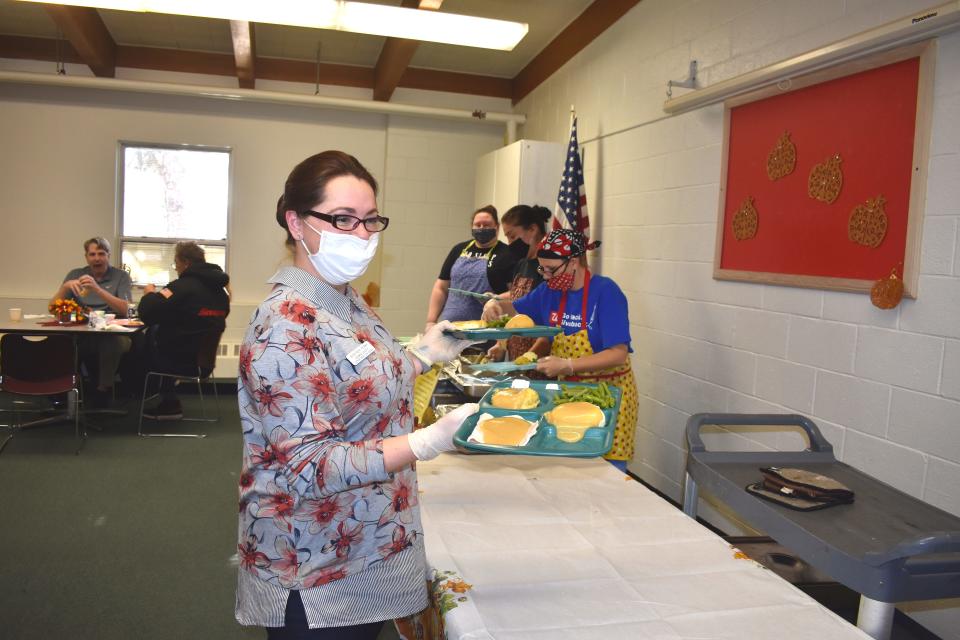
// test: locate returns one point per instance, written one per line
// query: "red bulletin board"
(875, 115)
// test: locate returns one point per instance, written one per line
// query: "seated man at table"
(99, 287)
(189, 310)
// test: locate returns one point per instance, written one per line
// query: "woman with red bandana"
(594, 342)
(330, 540)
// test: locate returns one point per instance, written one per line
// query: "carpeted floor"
(133, 538)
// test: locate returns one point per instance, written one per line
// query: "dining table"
(536, 548)
(46, 324)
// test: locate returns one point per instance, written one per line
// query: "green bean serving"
(499, 323)
(599, 395)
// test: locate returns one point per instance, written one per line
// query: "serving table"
(531, 548)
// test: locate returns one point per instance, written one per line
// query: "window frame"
(122, 146)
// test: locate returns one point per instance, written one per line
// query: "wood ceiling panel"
(169, 32)
(244, 52)
(25, 19)
(558, 30)
(395, 57)
(578, 34)
(84, 29)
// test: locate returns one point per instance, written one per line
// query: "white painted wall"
(58, 179)
(884, 386)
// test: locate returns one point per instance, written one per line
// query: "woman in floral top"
(330, 540)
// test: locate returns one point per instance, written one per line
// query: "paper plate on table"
(502, 333)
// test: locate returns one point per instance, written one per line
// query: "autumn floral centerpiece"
(66, 311)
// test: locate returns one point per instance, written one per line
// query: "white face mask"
(341, 257)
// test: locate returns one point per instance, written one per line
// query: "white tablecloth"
(563, 548)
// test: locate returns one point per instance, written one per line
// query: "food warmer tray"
(470, 385)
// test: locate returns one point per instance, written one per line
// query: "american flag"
(571, 212)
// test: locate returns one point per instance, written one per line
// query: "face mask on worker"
(341, 257)
(484, 235)
(562, 281)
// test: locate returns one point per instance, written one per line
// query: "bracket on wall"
(689, 83)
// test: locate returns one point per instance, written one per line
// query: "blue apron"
(468, 273)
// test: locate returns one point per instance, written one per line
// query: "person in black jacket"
(180, 317)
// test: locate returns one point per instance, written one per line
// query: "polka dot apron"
(577, 346)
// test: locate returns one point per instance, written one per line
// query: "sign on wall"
(824, 176)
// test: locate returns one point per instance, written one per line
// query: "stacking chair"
(40, 366)
(206, 361)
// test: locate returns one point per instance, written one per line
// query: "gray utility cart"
(886, 545)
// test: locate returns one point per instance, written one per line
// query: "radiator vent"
(228, 358)
(229, 350)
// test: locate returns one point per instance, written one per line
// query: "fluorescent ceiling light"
(341, 15)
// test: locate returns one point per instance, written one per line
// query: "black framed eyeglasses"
(345, 222)
(548, 270)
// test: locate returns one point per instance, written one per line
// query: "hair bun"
(281, 212)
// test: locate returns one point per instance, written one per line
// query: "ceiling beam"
(215, 64)
(84, 29)
(594, 20)
(30, 48)
(244, 52)
(221, 64)
(395, 56)
(455, 82)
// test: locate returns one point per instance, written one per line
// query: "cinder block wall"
(884, 386)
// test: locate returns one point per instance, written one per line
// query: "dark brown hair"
(307, 183)
(492, 210)
(189, 251)
(526, 216)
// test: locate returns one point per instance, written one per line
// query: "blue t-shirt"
(608, 323)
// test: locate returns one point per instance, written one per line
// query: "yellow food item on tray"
(515, 398)
(507, 430)
(519, 321)
(464, 325)
(527, 358)
(573, 419)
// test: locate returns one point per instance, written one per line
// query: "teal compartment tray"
(596, 441)
(500, 367)
(504, 333)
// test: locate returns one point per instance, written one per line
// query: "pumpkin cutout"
(868, 223)
(745, 220)
(825, 180)
(783, 159)
(887, 292)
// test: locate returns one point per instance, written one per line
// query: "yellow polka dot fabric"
(577, 346)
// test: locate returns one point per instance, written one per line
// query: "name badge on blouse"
(361, 353)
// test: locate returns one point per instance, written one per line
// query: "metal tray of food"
(470, 384)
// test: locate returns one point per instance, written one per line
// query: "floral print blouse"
(316, 505)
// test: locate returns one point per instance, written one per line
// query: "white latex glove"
(436, 346)
(429, 442)
(492, 310)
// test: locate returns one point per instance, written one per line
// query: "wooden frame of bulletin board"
(874, 113)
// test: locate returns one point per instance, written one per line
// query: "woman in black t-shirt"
(481, 265)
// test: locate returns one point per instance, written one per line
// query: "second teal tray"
(504, 333)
